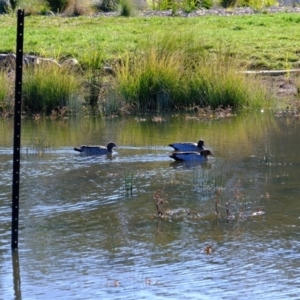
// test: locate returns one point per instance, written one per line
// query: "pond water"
(89, 227)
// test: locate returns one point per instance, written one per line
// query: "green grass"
(170, 75)
(261, 41)
(6, 91)
(48, 88)
(160, 63)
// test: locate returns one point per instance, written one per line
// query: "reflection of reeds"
(231, 206)
(209, 178)
(38, 145)
(160, 200)
(128, 183)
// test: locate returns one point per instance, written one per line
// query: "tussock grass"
(126, 8)
(169, 76)
(149, 80)
(258, 4)
(49, 87)
(57, 5)
(34, 7)
(92, 64)
(217, 81)
(6, 91)
(78, 8)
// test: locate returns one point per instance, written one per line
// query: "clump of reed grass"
(172, 75)
(78, 8)
(57, 6)
(258, 4)
(34, 7)
(216, 81)
(148, 81)
(6, 94)
(106, 5)
(126, 8)
(161, 4)
(189, 5)
(186, 5)
(94, 73)
(38, 145)
(48, 87)
(228, 3)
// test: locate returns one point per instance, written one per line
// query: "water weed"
(37, 145)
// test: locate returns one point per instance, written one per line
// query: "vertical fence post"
(17, 130)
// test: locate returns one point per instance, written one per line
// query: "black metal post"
(16, 274)
(17, 130)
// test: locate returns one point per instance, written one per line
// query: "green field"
(159, 63)
(258, 41)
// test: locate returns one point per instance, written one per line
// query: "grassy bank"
(160, 63)
(258, 41)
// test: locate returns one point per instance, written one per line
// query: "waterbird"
(191, 156)
(208, 249)
(96, 150)
(189, 146)
(259, 212)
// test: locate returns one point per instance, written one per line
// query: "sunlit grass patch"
(49, 87)
(6, 94)
(171, 75)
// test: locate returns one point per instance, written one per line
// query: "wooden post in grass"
(17, 130)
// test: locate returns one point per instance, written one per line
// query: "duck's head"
(206, 153)
(200, 144)
(111, 145)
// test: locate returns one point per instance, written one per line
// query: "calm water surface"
(88, 225)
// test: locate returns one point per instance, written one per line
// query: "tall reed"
(6, 93)
(216, 81)
(149, 80)
(174, 74)
(49, 87)
(126, 8)
(92, 64)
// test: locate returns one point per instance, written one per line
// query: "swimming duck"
(259, 212)
(96, 150)
(191, 155)
(188, 146)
